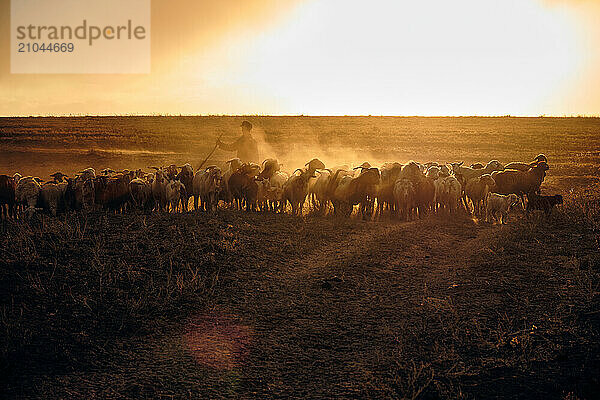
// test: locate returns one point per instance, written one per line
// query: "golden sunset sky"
(340, 57)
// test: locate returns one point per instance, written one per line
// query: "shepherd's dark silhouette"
(245, 145)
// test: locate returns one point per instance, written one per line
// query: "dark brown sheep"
(520, 182)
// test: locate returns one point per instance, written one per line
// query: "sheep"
(27, 193)
(433, 172)
(444, 171)
(430, 164)
(318, 190)
(477, 166)
(498, 206)
(385, 189)
(141, 194)
(425, 194)
(477, 190)
(186, 176)
(363, 166)
(464, 174)
(324, 186)
(88, 173)
(174, 193)
(520, 182)
(544, 203)
(404, 195)
(270, 190)
(84, 193)
(274, 189)
(295, 189)
(171, 172)
(107, 171)
(50, 196)
(243, 187)
(58, 177)
(424, 187)
(159, 184)
(522, 166)
(112, 192)
(410, 171)
(269, 167)
(207, 185)
(7, 196)
(451, 191)
(232, 166)
(351, 191)
(139, 174)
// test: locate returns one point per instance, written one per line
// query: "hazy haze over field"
(332, 57)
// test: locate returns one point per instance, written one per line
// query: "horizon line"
(295, 115)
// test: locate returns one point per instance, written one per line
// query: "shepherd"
(246, 146)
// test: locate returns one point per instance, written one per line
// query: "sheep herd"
(407, 191)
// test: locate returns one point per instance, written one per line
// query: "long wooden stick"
(211, 153)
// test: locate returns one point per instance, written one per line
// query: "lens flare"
(218, 341)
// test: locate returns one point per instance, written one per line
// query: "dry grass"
(235, 305)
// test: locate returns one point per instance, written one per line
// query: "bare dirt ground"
(292, 307)
(262, 305)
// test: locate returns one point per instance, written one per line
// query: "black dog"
(544, 203)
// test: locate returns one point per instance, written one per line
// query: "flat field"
(263, 305)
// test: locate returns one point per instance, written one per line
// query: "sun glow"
(466, 57)
(343, 57)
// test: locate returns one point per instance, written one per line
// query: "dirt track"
(431, 308)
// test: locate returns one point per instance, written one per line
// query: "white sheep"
(174, 192)
(451, 192)
(207, 185)
(499, 204)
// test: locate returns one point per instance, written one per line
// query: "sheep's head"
(390, 165)
(106, 171)
(58, 176)
(234, 163)
(541, 167)
(315, 164)
(250, 169)
(214, 175)
(411, 168)
(456, 166)
(160, 176)
(493, 165)
(390, 172)
(541, 158)
(433, 172)
(444, 171)
(186, 169)
(370, 176)
(270, 166)
(514, 200)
